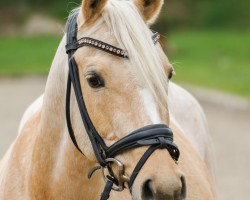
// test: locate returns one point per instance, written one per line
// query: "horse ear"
(149, 9)
(92, 9)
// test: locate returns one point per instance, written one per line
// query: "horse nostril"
(147, 190)
(183, 188)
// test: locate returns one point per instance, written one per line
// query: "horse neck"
(53, 110)
(60, 160)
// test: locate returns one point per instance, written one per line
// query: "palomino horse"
(117, 117)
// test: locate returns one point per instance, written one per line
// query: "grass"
(218, 60)
(26, 56)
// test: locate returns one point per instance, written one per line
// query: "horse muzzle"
(151, 190)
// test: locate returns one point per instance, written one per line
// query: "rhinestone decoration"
(156, 38)
(102, 46)
(80, 41)
(107, 47)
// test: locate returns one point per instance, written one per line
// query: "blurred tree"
(182, 14)
(204, 14)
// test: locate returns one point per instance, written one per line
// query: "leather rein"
(157, 136)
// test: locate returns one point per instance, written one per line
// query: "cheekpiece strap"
(73, 80)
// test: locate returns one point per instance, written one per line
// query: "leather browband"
(86, 41)
(108, 48)
(155, 136)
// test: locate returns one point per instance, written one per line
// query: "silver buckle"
(121, 177)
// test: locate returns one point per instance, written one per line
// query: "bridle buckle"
(120, 178)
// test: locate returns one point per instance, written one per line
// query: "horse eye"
(95, 81)
(170, 75)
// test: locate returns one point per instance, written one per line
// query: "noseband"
(157, 136)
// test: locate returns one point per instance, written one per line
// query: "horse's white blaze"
(135, 36)
(150, 106)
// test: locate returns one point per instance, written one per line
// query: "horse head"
(122, 74)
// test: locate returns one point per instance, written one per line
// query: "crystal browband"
(87, 41)
(156, 37)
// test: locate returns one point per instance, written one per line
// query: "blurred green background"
(208, 41)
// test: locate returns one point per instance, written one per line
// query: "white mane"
(133, 34)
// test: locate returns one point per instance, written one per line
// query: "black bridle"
(156, 136)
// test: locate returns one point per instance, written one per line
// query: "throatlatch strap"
(94, 137)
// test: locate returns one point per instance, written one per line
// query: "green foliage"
(204, 14)
(216, 59)
(212, 59)
(21, 56)
(55, 8)
(184, 14)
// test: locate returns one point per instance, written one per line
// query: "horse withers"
(105, 114)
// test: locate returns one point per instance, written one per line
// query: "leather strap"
(97, 142)
(107, 190)
(145, 136)
(71, 38)
(140, 164)
(68, 119)
(97, 44)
